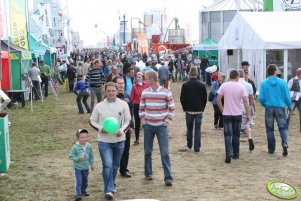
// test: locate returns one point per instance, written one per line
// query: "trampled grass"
(42, 138)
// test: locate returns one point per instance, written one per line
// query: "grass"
(36, 135)
(42, 138)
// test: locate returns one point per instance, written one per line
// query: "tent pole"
(285, 64)
(31, 96)
(41, 92)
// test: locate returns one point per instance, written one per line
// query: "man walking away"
(193, 99)
(274, 96)
(232, 92)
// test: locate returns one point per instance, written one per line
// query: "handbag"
(210, 97)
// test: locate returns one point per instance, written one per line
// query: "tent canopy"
(207, 44)
(12, 48)
(263, 30)
(39, 47)
(235, 5)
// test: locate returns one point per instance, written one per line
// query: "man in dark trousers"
(204, 64)
(193, 100)
(124, 172)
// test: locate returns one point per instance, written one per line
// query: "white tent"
(251, 36)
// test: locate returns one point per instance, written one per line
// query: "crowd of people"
(134, 89)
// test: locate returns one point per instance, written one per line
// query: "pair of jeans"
(298, 105)
(81, 181)
(83, 96)
(199, 74)
(183, 75)
(137, 121)
(126, 153)
(71, 85)
(195, 119)
(208, 78)
(36, 89)
(163, 83)
(95, 92)
(203, 73)
(232, 134)
(178, 71)
(110, 154)
(45, 82)
(162, 136)
(218, 117)
(171, 76)
(277, 113)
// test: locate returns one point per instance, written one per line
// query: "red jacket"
(137, 91)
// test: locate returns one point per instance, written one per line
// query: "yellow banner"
(14, 56)
(18, 29)
(26, 56)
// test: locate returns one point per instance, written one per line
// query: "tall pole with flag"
(68, 31)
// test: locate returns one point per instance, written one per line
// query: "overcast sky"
(105, 13)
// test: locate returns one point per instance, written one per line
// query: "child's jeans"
(81, 181)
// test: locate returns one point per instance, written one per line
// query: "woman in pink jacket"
(136, 92)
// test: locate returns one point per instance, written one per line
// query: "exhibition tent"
(40, 49)
(19, 58)
(208, 47)
(251, 35)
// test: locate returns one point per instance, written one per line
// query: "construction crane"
(176, 20)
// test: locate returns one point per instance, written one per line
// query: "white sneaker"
(109, 196)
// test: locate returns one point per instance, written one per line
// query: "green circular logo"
(282, 190)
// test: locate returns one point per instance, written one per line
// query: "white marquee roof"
(263, 30)
(235, 5)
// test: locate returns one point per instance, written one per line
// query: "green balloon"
(110, 125)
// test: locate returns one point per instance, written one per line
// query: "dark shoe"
(251, 145)
(88, 112)
(85, 194)
(136, 142)
(284, 150)
(126, 174)
(215, 126)
(78, 198)
(235, 157)
(228, 159)
(271, 152)
(168, 183)
(148, 178)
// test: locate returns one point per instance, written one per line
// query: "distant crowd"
(134, 89)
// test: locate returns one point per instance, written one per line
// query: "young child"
(82, 156)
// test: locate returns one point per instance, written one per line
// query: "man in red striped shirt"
(156, 111)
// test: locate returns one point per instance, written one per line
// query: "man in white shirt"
(294, 86)
(245, 125)
(34, 74)
(110, 145)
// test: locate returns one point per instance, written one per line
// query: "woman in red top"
(136, 92)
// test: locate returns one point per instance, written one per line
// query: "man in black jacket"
(193, 100)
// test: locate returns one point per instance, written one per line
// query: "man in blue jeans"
(110, 145)
(232, 92)
(156, 111)
(274, 95)
(193, 100)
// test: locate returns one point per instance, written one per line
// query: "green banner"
(268, 5)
